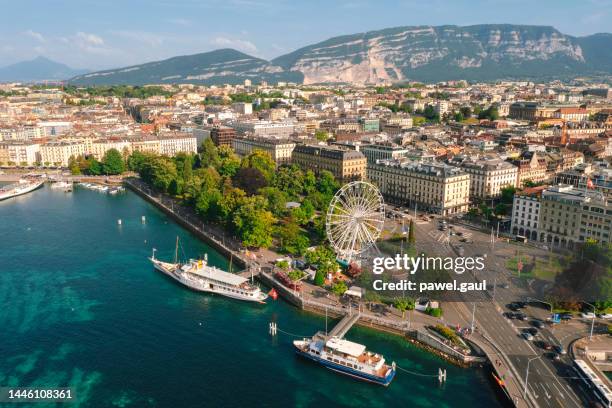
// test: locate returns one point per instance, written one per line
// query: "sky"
(99, 34)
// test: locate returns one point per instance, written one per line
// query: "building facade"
(433, 187)
(345, 165)
(526, 212)
(280, 150)
(488, 177)
(222, 135)
(570, 215)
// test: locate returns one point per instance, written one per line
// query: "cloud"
(89, 39)
(243, 45)
(180, 21)
(35, 35)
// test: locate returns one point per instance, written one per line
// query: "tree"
(175, 187)
(403, 304)
(507, 194)
(500, 209)
(73, 166)
(249, 179)
(412, 233)
(291, 239)
(277, 200)
(289, 179)
(94, 167)
(187, 170)
(262, 161)
(339, 288)
(253, 223)
(321, 135)
(319, 278)
(324, 258)
(209, 155)
(458, 117)
(466, 111)
(230, 162)
(112, 162)
(430, 114)
(327, 184)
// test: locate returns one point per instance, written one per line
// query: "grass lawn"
(544, 268)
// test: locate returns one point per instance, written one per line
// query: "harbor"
(120, 301)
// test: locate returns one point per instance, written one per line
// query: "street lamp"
(527, 375)
(592, 320)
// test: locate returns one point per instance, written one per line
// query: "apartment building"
(59, 153)
(19, 153)
(145, 145)
(280, 150)
(570, 215)
(222, 135)
(345, 165)
(98, 148)
(374, 152)
(171, 146)
(530, 167)
(432, 186)
(263, 128)
(489, 176)
(526, 212)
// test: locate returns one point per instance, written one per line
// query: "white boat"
(198, 275)
(346, 357)
(64, 185)
(23, 186)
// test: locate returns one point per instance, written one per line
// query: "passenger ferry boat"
(346, 357)
(23, 186)
(198, 275)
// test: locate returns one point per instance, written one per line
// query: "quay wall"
(199, 230)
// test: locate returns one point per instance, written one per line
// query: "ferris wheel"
(355, 219)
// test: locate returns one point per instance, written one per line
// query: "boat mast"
(230, 265)
(176, 250)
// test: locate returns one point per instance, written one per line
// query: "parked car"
(521, 305)
(559, 349)
(589, 315)
(538, 323)
(527, 336)
(509, 315)
(553, 356)
(531, 330)
(606, 316)
(566, 316)
(521, 316)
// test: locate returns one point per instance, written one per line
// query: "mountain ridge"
(425, 53)
(38, 69)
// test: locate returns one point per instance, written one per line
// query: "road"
(545, 383)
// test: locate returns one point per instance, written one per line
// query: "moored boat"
(346, 357)
(198, 275)
(23, 186)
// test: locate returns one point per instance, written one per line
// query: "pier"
(344, 325)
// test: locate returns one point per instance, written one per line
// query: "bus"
(600, 390)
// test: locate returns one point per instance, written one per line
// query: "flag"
(590, 183)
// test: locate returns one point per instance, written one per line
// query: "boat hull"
(385, 381)
(26, 190)
(203, 287)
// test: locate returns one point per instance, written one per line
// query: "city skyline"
(161, 29)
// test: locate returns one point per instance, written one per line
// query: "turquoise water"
(80, 306)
